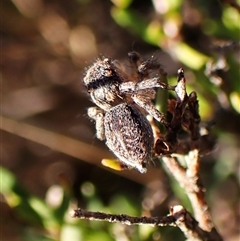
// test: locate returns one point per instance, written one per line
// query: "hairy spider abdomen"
(129, 136)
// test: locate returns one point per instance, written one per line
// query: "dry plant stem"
(122, 218)
(197, 198)
(69, 146)
(178, 217)
(188, 225)
(190, 182)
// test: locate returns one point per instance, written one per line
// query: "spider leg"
(132, 87)
(141, 66)
(135, 61)
(97, 114)
(147, 105)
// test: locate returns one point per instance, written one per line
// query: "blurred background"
(50, 157)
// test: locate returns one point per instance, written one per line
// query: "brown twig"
(189, 181)
(178, 216)
(186, 117)
(122, 218)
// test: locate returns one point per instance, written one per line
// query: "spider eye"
(108, 72)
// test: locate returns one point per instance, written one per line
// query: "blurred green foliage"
(50, 222)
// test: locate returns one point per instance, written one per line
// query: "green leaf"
(189, 56)
(71, 232)
(122, 3)
(128, 19)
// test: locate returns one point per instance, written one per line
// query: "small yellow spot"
(235, 101)
(113, 164)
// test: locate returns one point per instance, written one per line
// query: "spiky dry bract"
(129, 135)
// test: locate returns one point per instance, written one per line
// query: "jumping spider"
(119, 120)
